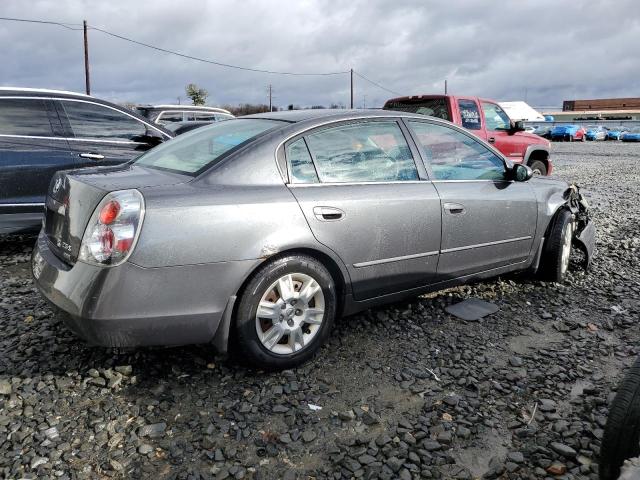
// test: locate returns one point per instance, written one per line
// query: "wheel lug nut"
(298, 312)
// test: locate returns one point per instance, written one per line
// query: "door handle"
(328, 214)
(454, 208)
(93, 156)
(491, 140)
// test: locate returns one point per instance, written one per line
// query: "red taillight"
(109, 212)
(124, 244)
(113, 228)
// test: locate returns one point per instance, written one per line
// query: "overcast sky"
(544, 50)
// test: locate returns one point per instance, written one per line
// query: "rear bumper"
(130, 305)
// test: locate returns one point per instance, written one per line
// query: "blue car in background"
(596, 132)
(543, 131)
(615, 133)
(632, 135)
(568, 133)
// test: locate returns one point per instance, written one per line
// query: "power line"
(60, 24)
(70, 26)
(376, 84)
(213, 62)
(172, 52)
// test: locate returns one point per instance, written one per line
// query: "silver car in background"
(265, 228)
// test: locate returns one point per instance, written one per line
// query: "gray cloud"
(551, 50)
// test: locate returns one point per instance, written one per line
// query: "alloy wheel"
(290, 313)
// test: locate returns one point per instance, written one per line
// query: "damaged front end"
(584, 231)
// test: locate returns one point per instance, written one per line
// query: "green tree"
(197, 95)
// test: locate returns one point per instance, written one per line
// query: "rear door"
(469, 116)
(365, 198)
(102, 135)
(32, 149)
(498, 127)
(488, 221)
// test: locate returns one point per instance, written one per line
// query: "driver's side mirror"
(150, 138)
(521, 173)
(517, 126)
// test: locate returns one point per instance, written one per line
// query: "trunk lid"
(73, 196)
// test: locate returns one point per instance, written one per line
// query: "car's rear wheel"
(557, 249)
(622, 434)
(538, 167)
(285, 312)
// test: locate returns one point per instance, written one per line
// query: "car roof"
(43, 92)
(295, 116)
(183, 107)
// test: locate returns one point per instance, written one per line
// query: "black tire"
(621, 438)
(569, 138)
(538, 165)
(552, 267)
(250, 347)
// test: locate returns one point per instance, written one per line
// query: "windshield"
(204, 147)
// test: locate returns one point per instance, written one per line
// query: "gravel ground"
(405, 391)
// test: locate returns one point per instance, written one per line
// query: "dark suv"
(43, 131)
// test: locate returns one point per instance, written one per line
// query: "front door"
(365, 198)
(499, 134)
(488, 222)
(101, 135)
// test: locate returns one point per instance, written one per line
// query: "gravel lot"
(406, 391)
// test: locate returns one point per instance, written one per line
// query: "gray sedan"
(265, 228)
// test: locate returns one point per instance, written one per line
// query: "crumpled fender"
(584, 233)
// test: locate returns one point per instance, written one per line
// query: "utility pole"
(352, 88)
(86, 59)
(445, 87)
(364, 102)
(270, 89)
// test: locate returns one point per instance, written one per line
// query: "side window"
(495, 118)
(89, 120)
(456, 156)
(469, 114)
(362, 152)
(300, 163)
(24, 117)
(203, 116)
(168, 117)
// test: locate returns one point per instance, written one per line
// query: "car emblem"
(57, 185)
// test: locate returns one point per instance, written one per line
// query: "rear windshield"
(434, 107)
(202, 148)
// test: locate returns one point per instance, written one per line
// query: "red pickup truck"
(485, 119)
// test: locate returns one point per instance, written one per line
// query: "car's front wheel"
(557, 249)
(285, 313)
